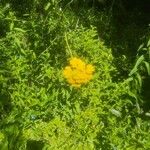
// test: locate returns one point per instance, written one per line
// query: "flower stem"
(68, 47)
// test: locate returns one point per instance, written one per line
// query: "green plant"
(44, 109)
(141, 68)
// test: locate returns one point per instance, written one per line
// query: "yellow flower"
(77, 63)
(89, 69)
(67, 71)
(78, 72)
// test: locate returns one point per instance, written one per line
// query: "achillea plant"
(78, 72)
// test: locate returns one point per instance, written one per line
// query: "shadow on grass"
(5, 105)
(34, 145)
(146, 94)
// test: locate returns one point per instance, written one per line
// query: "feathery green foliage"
(39, 109)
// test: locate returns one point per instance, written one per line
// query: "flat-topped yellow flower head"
(77, 63)
(78, 72)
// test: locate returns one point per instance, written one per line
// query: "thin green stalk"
(68, 47)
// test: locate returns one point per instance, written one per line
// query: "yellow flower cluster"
(78, 72)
